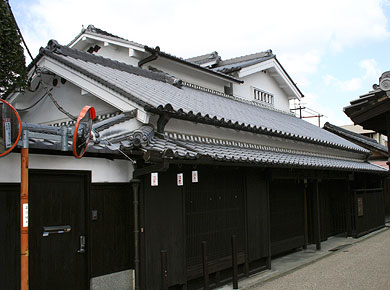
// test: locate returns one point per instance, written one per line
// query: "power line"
(19, 32)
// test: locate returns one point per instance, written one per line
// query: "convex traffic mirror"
(83, 131)
(10, 128)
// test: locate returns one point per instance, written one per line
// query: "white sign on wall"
(25, 215)
(180, 179)
(194, 176)
(7, 130)
(154, 179)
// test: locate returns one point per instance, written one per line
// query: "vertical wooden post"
(317, 219)
(205, 266)
(24, 220)
(269, 179)
(234, 262)
(164, 270)
(348, 209)
(135, 187)
(306, 225)
(388, 137)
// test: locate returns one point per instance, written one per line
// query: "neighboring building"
(187, 151)
(379, 138)
(379, 152)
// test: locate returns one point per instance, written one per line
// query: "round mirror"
(10, 128)
(82, 131)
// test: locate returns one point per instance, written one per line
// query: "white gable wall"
(68, 96)
(173, 68)
(189, 74)
(265, 82)
(102, 170)
(120, 54)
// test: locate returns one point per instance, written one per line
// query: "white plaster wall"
(265, 82)
(102, 170)
(173, 68)
(67, 95)
(191, 128)
(120, 54)
(189, 74)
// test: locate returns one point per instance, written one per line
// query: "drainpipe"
(135, 186)
(152, 57)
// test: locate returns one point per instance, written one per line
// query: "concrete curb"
(264, 278)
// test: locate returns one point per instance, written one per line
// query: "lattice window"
(263, 96)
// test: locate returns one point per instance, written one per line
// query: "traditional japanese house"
(185, 151)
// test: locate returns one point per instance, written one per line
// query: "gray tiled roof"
(94, 30)
(154, 90)
(234, 64)
(226, 153)
(193, 148)
(360, 139)
(205, 58)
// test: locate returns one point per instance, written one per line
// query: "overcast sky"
(334, 50)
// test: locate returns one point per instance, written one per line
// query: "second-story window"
(263, 96)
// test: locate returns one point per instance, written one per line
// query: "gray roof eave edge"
(193, 65)
(237, 126)
(288, 76)
(208, 160)
(96, 78)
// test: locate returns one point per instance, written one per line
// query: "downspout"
(152, 57)
(135, 186)
(162, 122)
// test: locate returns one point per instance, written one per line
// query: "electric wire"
(19, 32)
(33, 105)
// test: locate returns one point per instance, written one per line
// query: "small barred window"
(263, 96)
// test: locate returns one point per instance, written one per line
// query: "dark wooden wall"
(226, 201)
(9, 236)
(163, 223)
(386, 195)
(369, 189)
(287, 215)
(111, 235)
(257, 217)
(332, 193)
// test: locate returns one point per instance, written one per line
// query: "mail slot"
(56, 230)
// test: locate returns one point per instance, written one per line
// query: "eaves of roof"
(352, 136)
(235, 67)
(156, 93)
(200, 150)
(205, 58)
(92, 30)
(193, 65)
(213, 120)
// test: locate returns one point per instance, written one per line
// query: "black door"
(57, 231)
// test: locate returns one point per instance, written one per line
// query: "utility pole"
(24, 214)
(300, 108)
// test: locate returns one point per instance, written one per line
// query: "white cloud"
(316, 104)
(299, 32)
(302, 64)
(371, 72)
(191, 27)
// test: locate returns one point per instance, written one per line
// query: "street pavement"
(364, 265)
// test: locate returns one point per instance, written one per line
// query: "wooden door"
(56, 231)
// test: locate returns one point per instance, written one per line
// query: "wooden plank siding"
(10, 236)
(332, 207)
(287, 215)
(225, 201)
(111, 235)
(163, 228)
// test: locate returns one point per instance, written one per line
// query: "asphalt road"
(362, 266)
